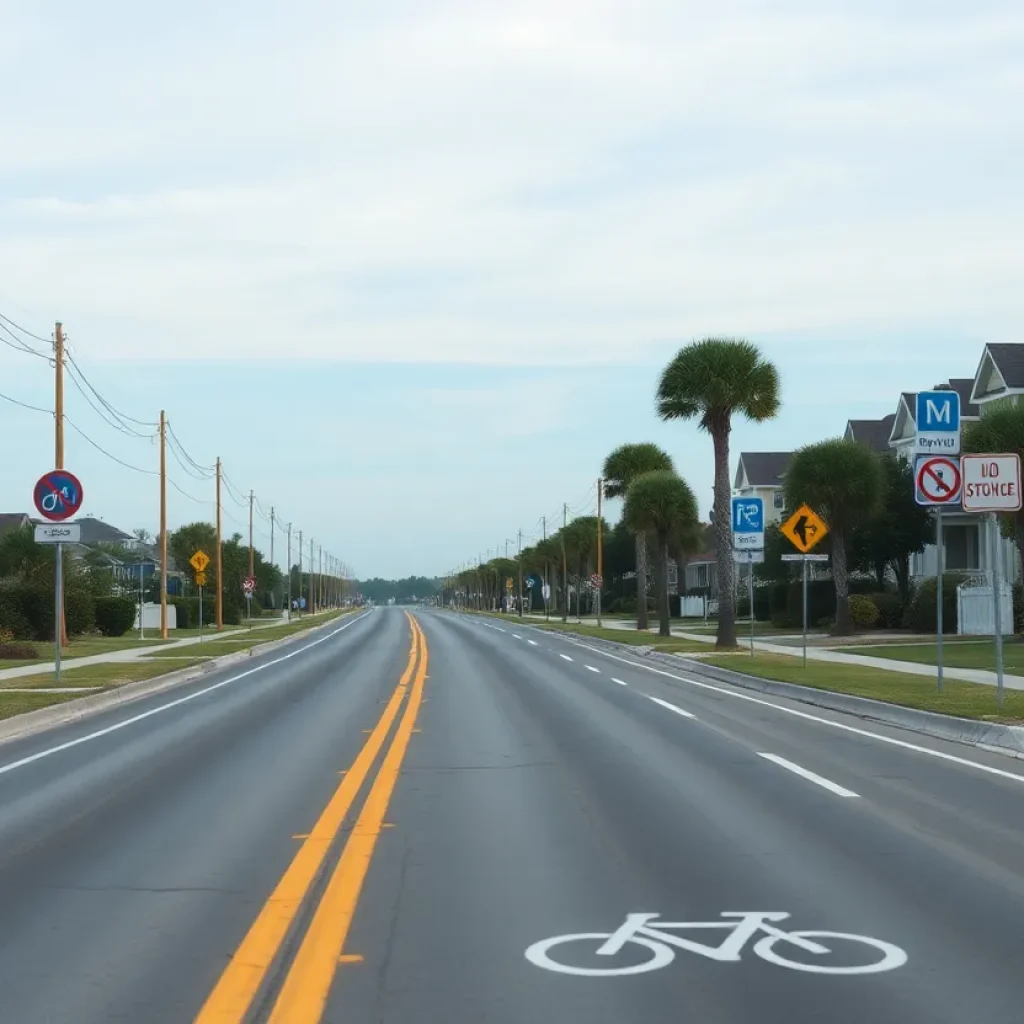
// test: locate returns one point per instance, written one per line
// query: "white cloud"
(511, 183)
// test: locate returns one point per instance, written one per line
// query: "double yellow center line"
(307, 983)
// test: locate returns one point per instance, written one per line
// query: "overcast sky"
(412, 269)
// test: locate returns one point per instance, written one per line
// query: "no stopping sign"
(937, 480)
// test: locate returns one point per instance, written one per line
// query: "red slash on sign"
(937, 479)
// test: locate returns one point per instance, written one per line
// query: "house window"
(779, 500)
(960, 541)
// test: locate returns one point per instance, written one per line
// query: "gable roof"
(1001, 370)
(95, 531)
(963, 386)
(763, 469)
(13, 521)
(873, 433)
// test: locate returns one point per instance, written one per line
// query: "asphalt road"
(370, 825)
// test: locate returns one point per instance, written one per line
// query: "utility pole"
(289, 567)
(546, 585)
(519, 559)
(320, 592)
(220, 565)
(300, 572)
(60, 631)
(163, 525)
(312, 592)
(251, 565)
(565, 567)
(600, 551)
(271, 534)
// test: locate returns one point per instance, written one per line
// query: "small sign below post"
(69, 533)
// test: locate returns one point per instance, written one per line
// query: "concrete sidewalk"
(134, 653)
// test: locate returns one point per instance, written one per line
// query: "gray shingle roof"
(874, 433)
(95, 531)
(765, 469)
(1009, 359)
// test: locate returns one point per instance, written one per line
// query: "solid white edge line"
(590, 668)
(818, 780)
(39, 755)
(566, 656)
(671, 707)
(892, 741)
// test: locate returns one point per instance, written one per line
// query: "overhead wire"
(20, 346)
(70, 361)
(209, 471)
(28, 333)
(26, 405)
(102, 450)
(100, 410)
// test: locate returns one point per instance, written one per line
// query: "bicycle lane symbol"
(655, 936)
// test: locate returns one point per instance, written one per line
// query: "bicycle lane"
(536, 804)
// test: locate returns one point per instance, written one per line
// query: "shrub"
(890, 609)
(12, 650)
(115, 615)
(79, 611)
(863, 611)
(921, 614)
(1018, 608)
(188, 611)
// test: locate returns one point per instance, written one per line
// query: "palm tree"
(663, 504)
(621, 468)
(843, 482)
(711, 380)
(1001, 430)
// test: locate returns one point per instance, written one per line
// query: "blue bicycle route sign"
(748, 523)
(58, 495)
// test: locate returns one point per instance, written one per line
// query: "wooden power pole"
(58, 445)
(220, 563)
(163, 525)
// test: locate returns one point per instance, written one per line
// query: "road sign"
(199, 561)
(991, 483)
(936, 479)
(748, 523)
(58, 495)
(508, 584)
(938, 423)
(804, 558)
(747, 555)
(200, 579)
(596, 581)
(248, 585)
(805, 528)
(69, 533)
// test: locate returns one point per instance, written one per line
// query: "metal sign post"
(804, 561)
(938, 590)
(200, 614)
(750, 593)
(58, 607)
(997, 606)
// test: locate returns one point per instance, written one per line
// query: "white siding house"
(760, 475)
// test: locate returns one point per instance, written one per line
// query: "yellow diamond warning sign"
(199, 561)
(805, 528)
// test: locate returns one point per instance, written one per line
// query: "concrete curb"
(992, 736)
(31, 722)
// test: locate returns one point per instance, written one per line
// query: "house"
(965, 535)
(701, 574)
(760, 475)
(95, 531)
(873, 433)
(13, 521)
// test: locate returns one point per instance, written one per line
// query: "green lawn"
(105, 675)
(622, 636)
(963, 654)
(968, 700)
(18, 703)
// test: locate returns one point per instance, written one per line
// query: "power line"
(20, 346)
(17, 327)
(25, 405)
(110, 408)
(102, 450)
(192, 497)
(209, 471)
(108, 418)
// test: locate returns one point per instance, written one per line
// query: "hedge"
(115, 615)
(921, 615)
(26, 610)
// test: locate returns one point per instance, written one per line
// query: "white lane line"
(590, 668)
(532, 643)
(621, 682)
(671, 707)
(892, 741)
(517, 636)
(500, 630)
(170, 704)
(566, 656)
(832, 787)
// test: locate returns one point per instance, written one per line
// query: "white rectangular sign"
(991, 483)
(58, 533)
(804, 558)
(745, 555)
(937, 423)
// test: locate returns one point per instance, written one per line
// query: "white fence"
(151, 616)
(975, 612)
(692, 606)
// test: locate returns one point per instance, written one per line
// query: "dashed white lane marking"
(532, 643)
(590, 668)
(807, 717)
(671, 707)
(566, 657)
(832, 787)
(621, 682)
(517, 636)
(499, 629)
